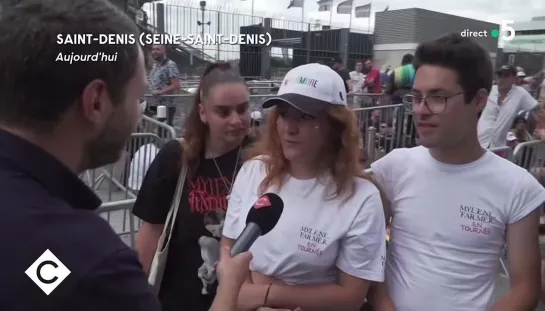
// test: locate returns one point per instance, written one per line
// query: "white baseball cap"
(310, 88)
(521, 74)
(511, 136)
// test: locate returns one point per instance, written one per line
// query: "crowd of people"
(453, 213)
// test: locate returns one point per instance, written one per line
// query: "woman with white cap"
(329, 243)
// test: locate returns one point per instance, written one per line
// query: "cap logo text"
(306, 81)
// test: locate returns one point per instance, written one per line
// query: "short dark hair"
(407, 59)
(35, 89)
(463, 55)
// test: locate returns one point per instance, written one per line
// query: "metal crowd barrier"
(384, 128)
(150, 125)
(118, 184)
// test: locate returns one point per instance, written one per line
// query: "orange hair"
(341, 155)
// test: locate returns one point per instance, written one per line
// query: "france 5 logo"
(507, 31)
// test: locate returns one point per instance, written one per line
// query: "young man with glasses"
(452, 207)
(505, 101)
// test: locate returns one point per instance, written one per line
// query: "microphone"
(261, 219)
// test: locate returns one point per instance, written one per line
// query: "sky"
(487, 10)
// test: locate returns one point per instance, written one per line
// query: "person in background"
(450, 231)
(385, 75)
(357, 78)
(329, 244)
(57, 120)
(504, 103)
(401, 83)
(215, 134)
(525, 120)
(372, 79)
(537, 86)
(164, 79)
(521, 80)
(255, 125)
(511, 140)
(401, 79)
(339, 67)
(140, 163)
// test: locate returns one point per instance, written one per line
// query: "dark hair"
(35, 89)
(407, 59)
(464, 56)
(195, 130)
(338, 60)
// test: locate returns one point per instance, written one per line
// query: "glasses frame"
(409, 105)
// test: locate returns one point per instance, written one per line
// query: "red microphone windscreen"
(266, 212)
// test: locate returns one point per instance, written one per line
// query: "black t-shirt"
(345, 75)
(202, 207)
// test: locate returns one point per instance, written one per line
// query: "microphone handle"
(245, 240)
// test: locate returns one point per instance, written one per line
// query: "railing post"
(370, 144)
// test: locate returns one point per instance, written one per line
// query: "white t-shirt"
(497, 120)
(139, 165)
(449, 224)
(358, 79)
(313, 237)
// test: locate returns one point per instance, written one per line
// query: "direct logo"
(262, 202)
(47, 272)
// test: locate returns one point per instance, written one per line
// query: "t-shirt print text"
(312, 241)
(478, 220)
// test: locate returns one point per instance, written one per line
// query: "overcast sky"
(487, 10)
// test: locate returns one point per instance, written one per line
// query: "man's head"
(407, 59)
(511, 140)
(367, 65)
(506, 77)
(359, 66)
(521, 76)
(337, 64)
(92, 105)
(452, 82)
(159, 52)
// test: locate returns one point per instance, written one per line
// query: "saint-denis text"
(47, 272)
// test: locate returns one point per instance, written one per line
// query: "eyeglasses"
(435, 103)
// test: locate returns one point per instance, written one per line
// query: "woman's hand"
(233, 270)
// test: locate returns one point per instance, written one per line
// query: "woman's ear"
(202, 113)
